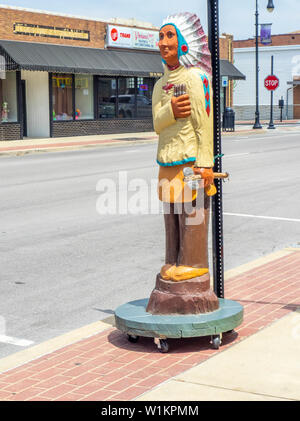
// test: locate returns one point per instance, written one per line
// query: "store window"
(107, 91)
(126, 97)
(8, 97)
(84, 97)
(144, 97)
(62, 97)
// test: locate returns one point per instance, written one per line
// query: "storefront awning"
(66, 59)
(228, 69)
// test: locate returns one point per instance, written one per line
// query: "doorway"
(37, 103)
(24, 111)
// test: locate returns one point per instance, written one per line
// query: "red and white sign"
(118, 36)
(114, 34)
(126, 37)
(271, 82)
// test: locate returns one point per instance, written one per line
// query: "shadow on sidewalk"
(287, 306)
(177, 346)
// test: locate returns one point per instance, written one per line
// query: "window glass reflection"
(144, 97)
(62, 96)
(107, 89)
(8, 98)
(84, 97)
(126, 108)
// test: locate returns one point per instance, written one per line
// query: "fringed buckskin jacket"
(184, 141)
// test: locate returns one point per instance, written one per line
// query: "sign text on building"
(51, 31)
(124, 37)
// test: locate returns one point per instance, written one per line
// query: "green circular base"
(132, 318)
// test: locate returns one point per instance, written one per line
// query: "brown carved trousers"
(186, 229)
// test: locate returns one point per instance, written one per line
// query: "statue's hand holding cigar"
(181, 106)
(207, 175)
(180, 102)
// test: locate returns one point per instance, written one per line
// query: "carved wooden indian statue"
(183, 119)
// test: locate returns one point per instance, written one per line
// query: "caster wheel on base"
(216, 341)
(162, 345)
(133, 339)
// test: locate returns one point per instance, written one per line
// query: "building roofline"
(112, 21)
(266, 48)
(47, 12)
(273, 35)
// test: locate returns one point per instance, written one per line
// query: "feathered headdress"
(192, 42)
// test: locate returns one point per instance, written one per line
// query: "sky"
(236, 16)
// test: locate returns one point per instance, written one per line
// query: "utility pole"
(270, 8)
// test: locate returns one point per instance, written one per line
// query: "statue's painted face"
(168, 45)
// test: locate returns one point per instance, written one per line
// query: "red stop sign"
(271, 82)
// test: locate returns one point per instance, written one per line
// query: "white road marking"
(132, 151)
(14, 341)
(236, 154)
(277, 218)
(237, 140)
(268, 136)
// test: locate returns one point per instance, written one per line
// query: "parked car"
(127, 106)
(107, 109)
(144, 106)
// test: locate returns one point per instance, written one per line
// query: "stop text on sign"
(271, 82)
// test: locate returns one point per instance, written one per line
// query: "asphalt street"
(64, 265)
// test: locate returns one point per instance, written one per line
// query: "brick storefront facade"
(18, 24)
(9, 17)
(296, 91)
(226, 53)
(85, 128)
(10, 131)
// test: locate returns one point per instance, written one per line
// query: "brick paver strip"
(107, 367)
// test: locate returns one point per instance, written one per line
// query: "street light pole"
(257, 124)
(270, 8)
(271, 124)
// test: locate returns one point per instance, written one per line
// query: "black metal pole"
(20, 104)
(217, 210)
(73, 98)
(50, 105)
(271, 124)
(257, 124)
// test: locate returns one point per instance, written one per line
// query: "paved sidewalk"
(266, 122)
(98, 363)
(27, 145)
(264, 367)
(73, 143)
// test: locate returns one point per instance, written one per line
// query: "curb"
(74, 145)
(54, 344)
(66, 147)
